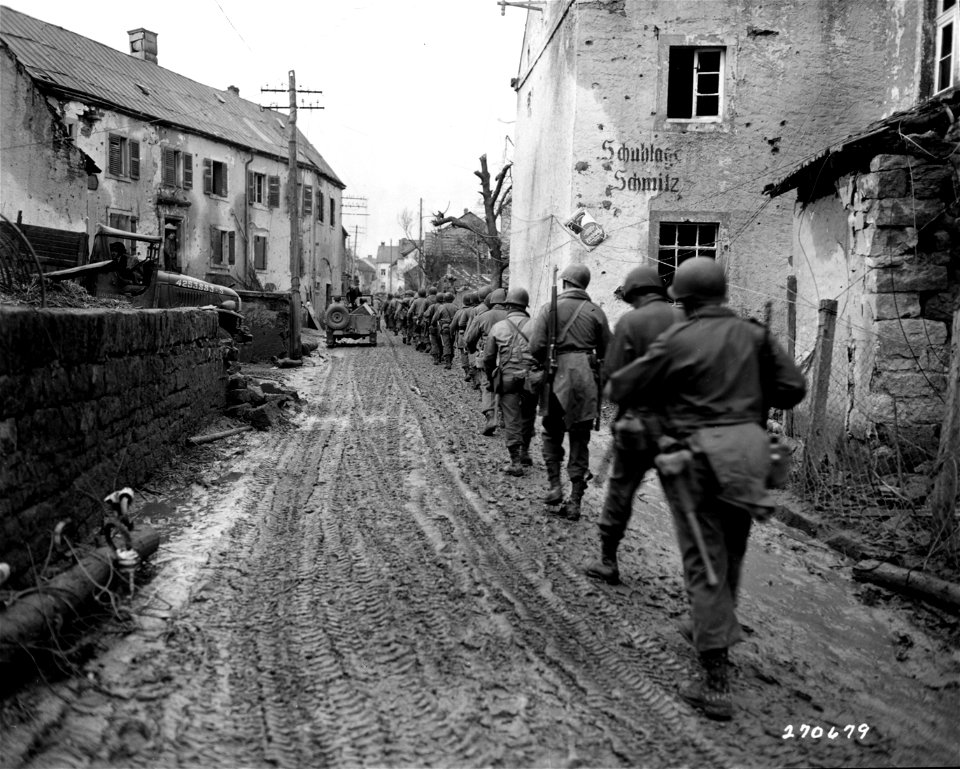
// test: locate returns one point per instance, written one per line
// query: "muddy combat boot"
(554, 495)
(571, 508)
(514, 467)
(606, 569)
(448, 363)
(711, 694)
(467, 375)
(525, 459)
(491, 425)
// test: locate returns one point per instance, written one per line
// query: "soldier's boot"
(514, 468)
(571, 508)
(467, 374)
(491, 425)
(554, 495)
(711, 693)
(525, 459)
(448, 362)
(607, 568)
(476, 379)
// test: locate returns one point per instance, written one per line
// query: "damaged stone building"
(663, 120)
(92, 135)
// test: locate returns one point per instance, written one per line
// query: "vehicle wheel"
(373, 340)
(337, 317)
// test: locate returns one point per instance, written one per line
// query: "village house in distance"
(95, 136)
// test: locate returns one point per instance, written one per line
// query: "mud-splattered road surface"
(367, 588)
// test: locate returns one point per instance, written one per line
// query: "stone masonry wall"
(904, 234)
(90, 401)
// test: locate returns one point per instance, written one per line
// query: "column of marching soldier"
(692, 384)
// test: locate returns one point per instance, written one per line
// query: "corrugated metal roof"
(76, 66)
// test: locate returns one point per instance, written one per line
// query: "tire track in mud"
(563, 636)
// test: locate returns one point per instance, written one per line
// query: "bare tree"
(494, 199)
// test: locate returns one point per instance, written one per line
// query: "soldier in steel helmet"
(475, 339)
(573, 402)
(714, 376)
(443, 321)
(457, 327)
(636, 430)
(507, 351)
(413, 317)
(466, 321)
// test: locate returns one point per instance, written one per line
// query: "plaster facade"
(73, 162)
(595, 131)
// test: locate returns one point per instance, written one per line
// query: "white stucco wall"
(798, 75)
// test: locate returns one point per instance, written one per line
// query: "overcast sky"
(414, 91)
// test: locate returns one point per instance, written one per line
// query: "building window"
(214, 177)
(257, 188)
(308, 200)
(223, 245)
(176, 168)
(259, 252)
(123, 157)
(695, 83)
(333, 208)
(679, 241)
(945, 61)
(319, 206)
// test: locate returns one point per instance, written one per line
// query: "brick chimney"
(143, 44)
(234, 90)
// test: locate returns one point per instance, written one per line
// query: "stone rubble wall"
(904, 236)
(93, 400)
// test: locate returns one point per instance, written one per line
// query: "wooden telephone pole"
(293, 207)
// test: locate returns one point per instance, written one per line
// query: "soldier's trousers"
(436, 348)
(446, 343)
(629, 468)
(553, 430)
(519, 409)
(725, 531)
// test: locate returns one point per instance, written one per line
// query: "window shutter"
(216, 255)
(168, 163)
(308, 200)
(251, 190)
(134, 160)
(115, 156)
(187, 170)
(333, 208)
(273, 195)
(320, 208)
(207, 176)
(233, 245)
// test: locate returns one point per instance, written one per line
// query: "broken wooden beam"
(196, 440)
(924, 585)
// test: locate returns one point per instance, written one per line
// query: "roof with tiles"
(77, 67)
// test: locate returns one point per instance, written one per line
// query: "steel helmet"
(483, 293)
(469, 299)
(495, 297)
(701, 278)
(643, 278)
(517, 297)
(577, 274)
(448, 297)
(432, 290)
(421, 292)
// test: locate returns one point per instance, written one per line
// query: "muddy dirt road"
(367, 588)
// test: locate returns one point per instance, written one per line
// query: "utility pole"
(293, 207)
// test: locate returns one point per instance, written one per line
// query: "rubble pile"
(258, 402)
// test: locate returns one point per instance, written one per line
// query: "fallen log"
(924, 585)
(196, 440)
(40, 613)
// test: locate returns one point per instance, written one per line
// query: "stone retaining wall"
(91, 400)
